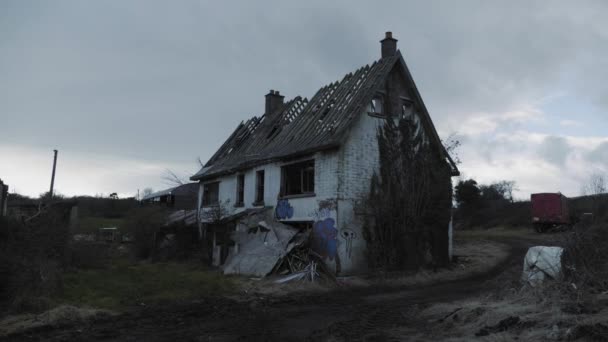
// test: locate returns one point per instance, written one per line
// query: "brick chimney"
(274, 101)
(389, 45)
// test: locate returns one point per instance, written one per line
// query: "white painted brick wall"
(326, 185)
(358, 159)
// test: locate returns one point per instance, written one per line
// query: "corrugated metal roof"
(184, 189)
(157, 194)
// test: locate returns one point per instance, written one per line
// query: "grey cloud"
(168, 81)
(554, 149)
(599, 155)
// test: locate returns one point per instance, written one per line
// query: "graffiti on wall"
(324, 209)
(324, 231)
(325, 238)
(283, 210)
(348, 235)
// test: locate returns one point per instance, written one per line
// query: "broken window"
(259, 188)
(375, 106)
(298, 178)
(211, 193)
(407, 108)
(240, 190)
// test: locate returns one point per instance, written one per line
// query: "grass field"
(124, 284)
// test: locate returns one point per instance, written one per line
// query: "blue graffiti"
(325, 238)
(284, 210)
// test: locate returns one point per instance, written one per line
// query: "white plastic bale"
(542, 262)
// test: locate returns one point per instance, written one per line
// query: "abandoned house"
(311, 160)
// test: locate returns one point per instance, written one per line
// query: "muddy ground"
(364, 314)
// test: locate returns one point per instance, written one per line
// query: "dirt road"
(362, 314)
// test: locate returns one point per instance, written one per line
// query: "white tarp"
(542, 262)
(259, 252)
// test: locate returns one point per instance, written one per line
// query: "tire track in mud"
(348, 315)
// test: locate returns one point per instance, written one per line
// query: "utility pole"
(53, 176)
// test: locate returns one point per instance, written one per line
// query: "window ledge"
(258, 204)
(239, 205)
(211, 205)
(310, 194)
(378, 115)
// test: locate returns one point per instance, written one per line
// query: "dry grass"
(266, 287)
(61, 315)
(540, 312)
(474, 257)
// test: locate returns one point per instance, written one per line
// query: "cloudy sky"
(127, 89)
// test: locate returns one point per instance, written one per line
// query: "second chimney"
(274, 101)
(389, 45)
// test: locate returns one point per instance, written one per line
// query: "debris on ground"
(452, 313)
(302, 263)
(597, 332)
(260, 248)
(266, 247)
(503, 325)
(542, 262)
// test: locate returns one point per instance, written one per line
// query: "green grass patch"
(91, 224)
(124, 285)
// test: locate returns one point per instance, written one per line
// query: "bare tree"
(147, 192)
(213, 214)
(595, 185)
(171, 178)
(505, 189)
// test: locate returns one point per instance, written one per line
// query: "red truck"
(549, 211)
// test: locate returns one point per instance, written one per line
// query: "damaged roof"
(303, 126)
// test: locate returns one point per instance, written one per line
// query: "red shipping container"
(549, 209)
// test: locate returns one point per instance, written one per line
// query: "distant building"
(181, 197)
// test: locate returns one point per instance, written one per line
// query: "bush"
(408, 208)
(585, 258)
(143, 224)
(32, 256)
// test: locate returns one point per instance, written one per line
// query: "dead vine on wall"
(408, 208)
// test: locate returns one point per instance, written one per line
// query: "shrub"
(143, 224)
(408, 208)
(585, 258)
(32, 256)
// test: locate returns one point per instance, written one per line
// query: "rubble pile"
(271, 248)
